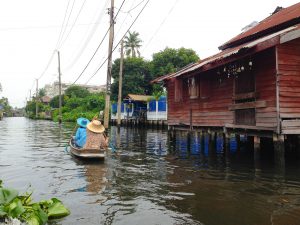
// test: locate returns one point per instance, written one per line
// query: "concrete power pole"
(36, 99)
(109, 65)
(120, 86)
(59, 88)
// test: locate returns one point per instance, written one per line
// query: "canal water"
(150, 180)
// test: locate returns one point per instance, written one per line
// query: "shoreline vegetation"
(16, 208)
(78, 102)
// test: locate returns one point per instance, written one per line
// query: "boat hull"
(87, 153)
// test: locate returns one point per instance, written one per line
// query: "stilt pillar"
(279, 150)
(238, 142)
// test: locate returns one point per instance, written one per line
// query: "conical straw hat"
(96, 126)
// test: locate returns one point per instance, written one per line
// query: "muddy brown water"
(150, 180)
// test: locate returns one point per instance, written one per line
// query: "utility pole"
(109, 65)
(30, 95)
(59, 89)
(36, 99)
(120, 85)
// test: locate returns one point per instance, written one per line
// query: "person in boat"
(80, 137)
(96, 139)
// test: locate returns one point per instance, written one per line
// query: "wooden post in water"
(256, 143)
(238, 142)
(120, 86)
(256, 152)
(109, 65)
(37, 99)
(59, 89)
(279, 150)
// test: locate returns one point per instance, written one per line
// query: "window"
(178, 90)
(205, 88)
(193, 88)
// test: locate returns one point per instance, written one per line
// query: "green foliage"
(76, 107)
(132, 44)
(171, 60)
(6, 107)
(76, 91)
(21, 207)
(54, 102)
(138, 73)
(42, 92)
(136, 77)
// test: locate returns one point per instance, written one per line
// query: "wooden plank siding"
(288, 55)
(214, 111)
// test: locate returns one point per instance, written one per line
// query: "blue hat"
(83, 122)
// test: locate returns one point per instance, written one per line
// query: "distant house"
(142, 107)
(46, 100)
(253, 84)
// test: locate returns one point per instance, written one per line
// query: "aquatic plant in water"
(13, 205)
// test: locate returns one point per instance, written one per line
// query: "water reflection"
(151, 179)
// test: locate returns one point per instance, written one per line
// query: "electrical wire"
(47, 66)
(125, 18)
(160, 25)
(66, 24)
(62, 26)
(74, 22)
(119, 40)
(88, 39)
(98, 45)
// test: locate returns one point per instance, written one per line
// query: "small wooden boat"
(86, 153)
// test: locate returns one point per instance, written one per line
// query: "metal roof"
(280, 37)
(284, 18)
(142, 98)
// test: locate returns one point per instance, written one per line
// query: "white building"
(53, 89)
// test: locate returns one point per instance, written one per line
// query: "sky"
(33, 31)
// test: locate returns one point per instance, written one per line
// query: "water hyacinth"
(21, 207)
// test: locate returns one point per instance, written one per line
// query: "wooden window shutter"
(193, 88)
(178, 90)
(205, 88)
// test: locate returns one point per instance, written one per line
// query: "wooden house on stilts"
(252, 86)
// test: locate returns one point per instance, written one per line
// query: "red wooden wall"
(213, 111)
(289, 78)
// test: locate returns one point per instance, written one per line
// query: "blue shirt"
(80, 137)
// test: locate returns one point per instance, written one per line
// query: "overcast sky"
(31, 30)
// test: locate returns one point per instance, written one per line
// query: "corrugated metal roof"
(229, 52)
(269, 25)
(143, 98)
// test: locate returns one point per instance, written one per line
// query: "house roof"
(46, 99)
(240, 51)
(277, 21)
(142, 98)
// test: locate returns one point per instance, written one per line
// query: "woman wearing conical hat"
(95, 136)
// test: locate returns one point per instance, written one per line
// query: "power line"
(66, 24)
(98, 45)
(160, 25)
(119, 40)
(89, 37)
(47, 66)
(78, 14)
(125, 18)
(62, 26)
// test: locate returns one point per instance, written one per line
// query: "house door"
(244, 86)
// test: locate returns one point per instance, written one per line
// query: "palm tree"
(132, 44)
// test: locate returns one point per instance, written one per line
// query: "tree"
(171, 60)
(76, 91)
(132, 44)
(42, 92)
(136, 77)
(6, 107)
